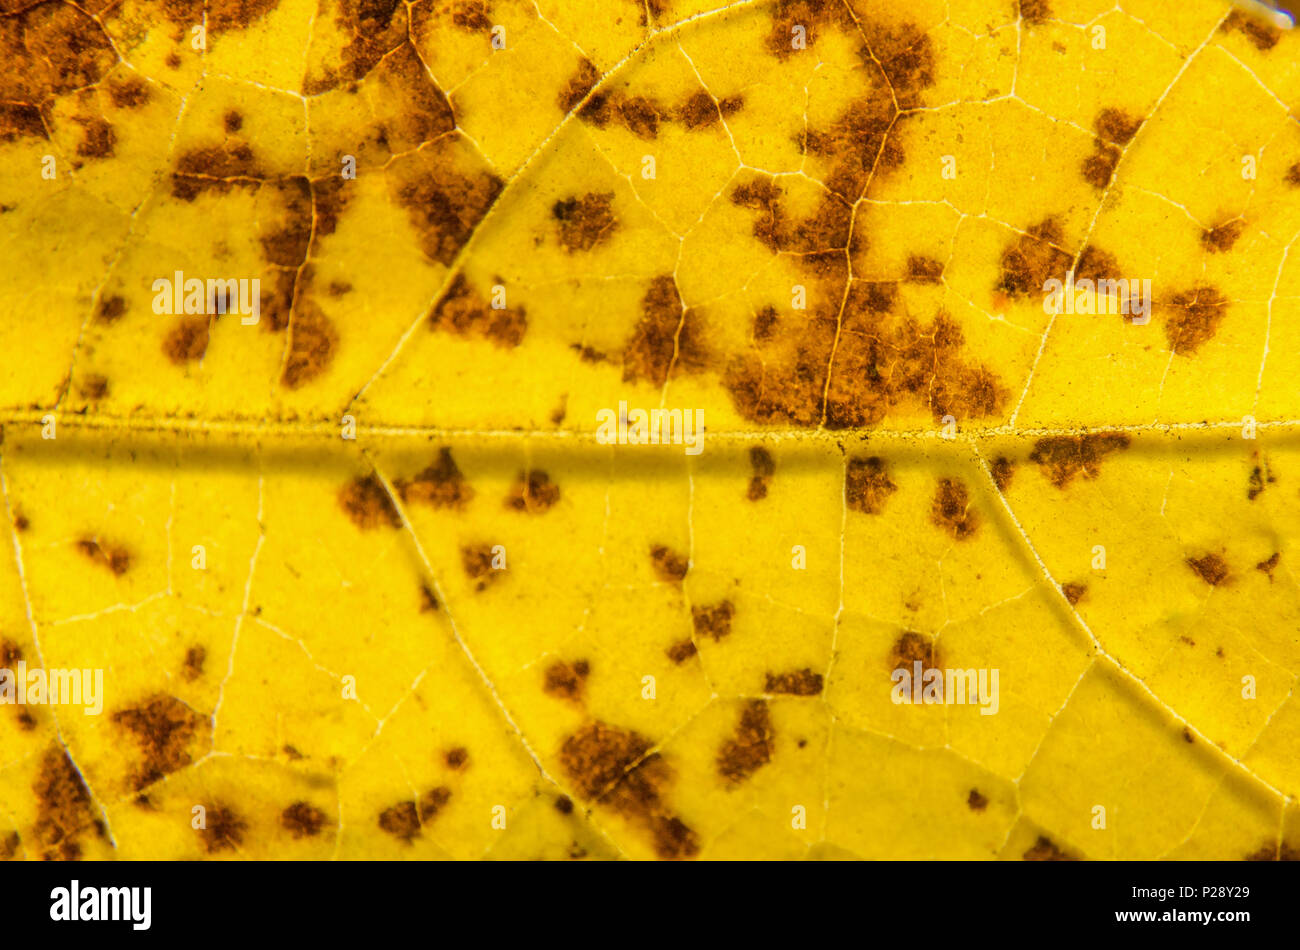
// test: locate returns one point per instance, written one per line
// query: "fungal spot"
(579, 84)
(1044, 849)
(612, 766)
(97, 138)
(457, 758)
(1293, 175)
(1096, 264)
(764, 322)
(1194, 318)
(533, 492)
(444, 203)
(1210, 568)
(566, 680)
(110, 308)
(912, 648)
(112, 556)
(64, 810)
(302, 820)
(1035, 12)
(428, 602)
(951, 509)
(750, 747)
(187, 341)
(924, 270)
(1099, 167)
(1259, 477)
(713, 621)
(1063, 457)
(682, 650)
(463, 312)
(825, 230)
(439, 485)
(312, 342)
(976, 801)
(1032, 258)
(668, 565)
(1074, 592)
(20, 521)
(798, 683)
(217, 169)
(1004, 470)
(1116, 126)
(762, 466)
(365, 501)
(564, 805)
(1187, 735)
(476, 561)
(867, 485)
(812, 15)
(1261, 35)
(164, 729)
(94, 386)
(699, 111)
(405, 819)
(1267, 566)
(129, 93)
(195, 657)
(665, 339)
(582, 223)
(1220, 238)
(472, 16)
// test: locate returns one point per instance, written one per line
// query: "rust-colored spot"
(566, 680)
(9, 846)
(472, 15)
(1063, 457)
(17, 120)
(564, 805)
(97, 138)
(533, 492)
(976, 801)
(457, 758)
(1292, 177)
(1096, 264)
(951, 509)
(1187, 735)
(1035, 12)
(164, 729)
(217, 169)
(911, 648)
(366, 502)
(665, 339)
(129, 93)
(583, 222)
(110, 309)
(312, 342)
(444, 204)
(1259, 478)
(750, 747)
(798, 683)
(1032, 259)
(94, 386)
(1074, 592)
(1099, 167)
(112, 556)
(1220, 238)
(439, 485)
(1116, 126)
(303, 820)
(1194, 318)
(20, 521)
(405, 819)
(1210, 568)
(924, 270)
(612, 765)
(1004, 470)
(428, 601)
(762, 466)
(64, 810)
(1267, 566)
(713, 621)
(867, 485)
(1044, 849)
(476, 560)
(811, 16)
(699, 111)
(463, 312)
(579, 84)
(682, 650)
(668, 565)
(187, 341)
(195, 657)
(1263, 36)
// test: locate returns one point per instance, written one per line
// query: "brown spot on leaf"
(217, 169)
(1045, 850)
(750, 747)
(9, 846)
(428, 601)
(1293, 175)
(867, 485)
(94, 386)
(566, 680)
(951, 509)
(187, 341)
(1194, 318)
(1074, 592)
(164, 729)
(699, 111)
(579, 84)
(195, 657)
(533, 492)
(762, 466)
(1210, 568)
(444, 203)
(110, 308)
(665, 339)
(439, 485)
(1063, 457)
(405, 819)
(1116, 126)
(682, 650)
(668, 565)
(129, 93)
(457, 758)
(312, 342)
(366, 502)
(798, 683)
(582, 223)
(476, 560)
(463, 312)
(924, 270)
(1267, 566)
(303, 820)
(1220, 238)
(1263, 36)
(64, 810)
(1099, 167)
(97, 138)
(1032, 259)
(912, 648)
(713, 621)
(1035, 12)
(112, 556)
(1004, 470)
(564, 805)
(472, 15)
(976, 801)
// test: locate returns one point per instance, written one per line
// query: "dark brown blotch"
(187, 341)
(669, 566)
(1220, 238)
(763, 467)
(456, 758)
(1044, 849)
(1032, 258)
(565, 680)
(367, 504)
(64, 809)
(1211, 568)
(976, 801)
(164, 729)
(462, 311)
(713, 621)
(115, 557)
(682, 650)
(797, 683)
(439, 485)
(750, 747)
(1193, 318)
(476, 560)
(584, 222)
(533, 492)
(1074, 592)
(1063, 457)
(303, 820)
(867, 485)
(1004, 470)
(1268, 565)
(951, 509)
(1261, 35)
(195, 657)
